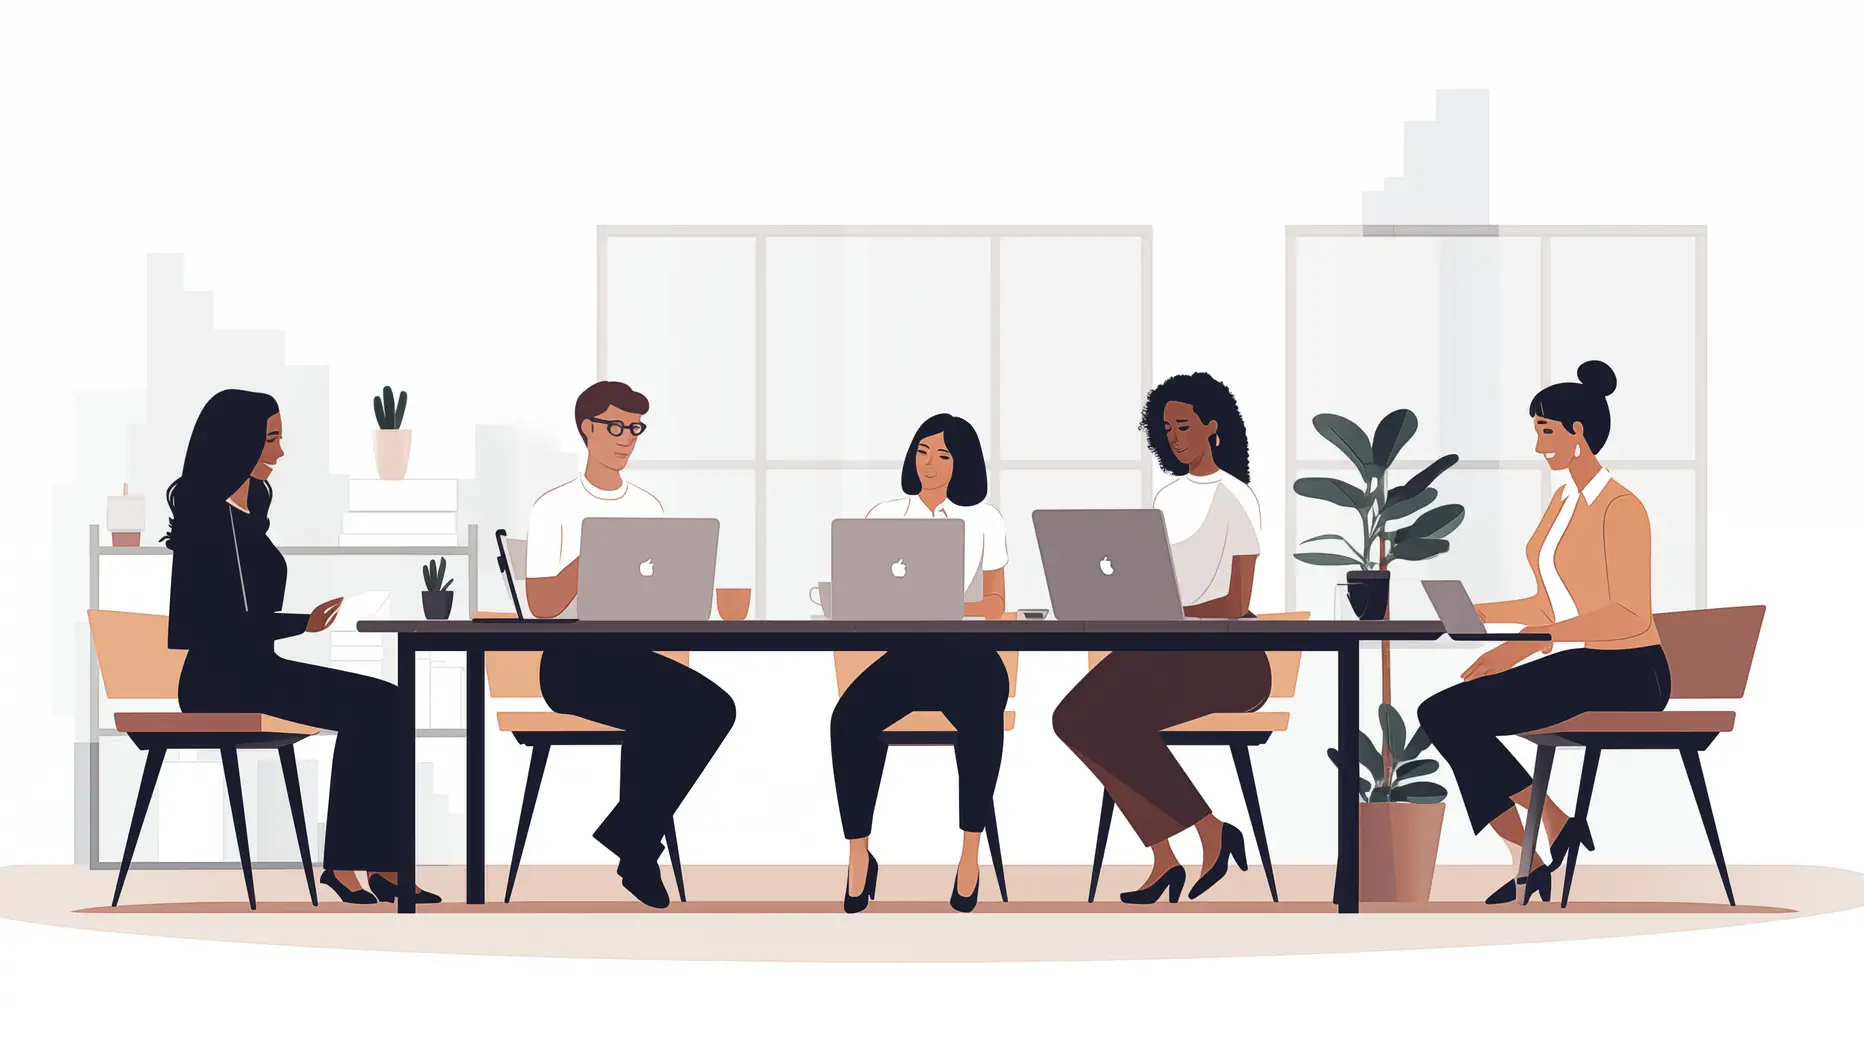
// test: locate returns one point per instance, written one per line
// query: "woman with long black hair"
(943, 476)
(1112, 718)
(225, 602)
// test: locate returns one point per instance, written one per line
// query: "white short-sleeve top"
(555, 536)
(985, 547)
(1208, 522)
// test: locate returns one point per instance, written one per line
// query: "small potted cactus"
(437, 599)
(392, 441)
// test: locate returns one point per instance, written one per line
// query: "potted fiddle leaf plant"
(392, 441)
(1380, 504)
(1400, 814)
(437, 599)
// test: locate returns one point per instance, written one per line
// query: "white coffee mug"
(822, 595)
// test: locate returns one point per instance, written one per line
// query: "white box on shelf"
(400, 522)
(447, 688)
(403, 494)
(398, 540)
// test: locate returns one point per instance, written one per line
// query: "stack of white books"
(440, 690)
(402, 513)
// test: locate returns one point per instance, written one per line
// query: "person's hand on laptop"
(1502, 657)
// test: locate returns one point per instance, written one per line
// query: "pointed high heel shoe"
(1231, 848)
(1170, 881)
(1574, 834)
(1540, 879)
(355, 896)
(966, 903)
(387, 891)
(856, 903)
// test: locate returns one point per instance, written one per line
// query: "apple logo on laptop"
(1106, 566)
(647, 568)
(899, 567)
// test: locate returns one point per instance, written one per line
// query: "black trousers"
(969, 688)
(1466, 722)
(359, 828)
(675, 718)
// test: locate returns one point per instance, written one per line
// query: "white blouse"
(985, 547)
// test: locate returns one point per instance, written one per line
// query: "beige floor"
(791, 913)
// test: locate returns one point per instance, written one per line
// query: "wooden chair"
(514, 675)
(933, 729)
(1237, 731)
(136, 663)
(1710, 651)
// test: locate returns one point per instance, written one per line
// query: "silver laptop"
(897, 568)
(647, 568)
(1108, 564)
(1459, 617)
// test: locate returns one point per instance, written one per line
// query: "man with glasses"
(674, 716)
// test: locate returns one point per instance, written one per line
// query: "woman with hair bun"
(1590, 557)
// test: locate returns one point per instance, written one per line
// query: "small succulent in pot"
(437, 599)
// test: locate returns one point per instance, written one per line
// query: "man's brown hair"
(603, 394)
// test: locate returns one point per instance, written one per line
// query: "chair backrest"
(849, 665)
(513, 675)
(1284, 664)
(133, 655)
(1710, 650)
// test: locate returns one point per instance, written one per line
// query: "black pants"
(1466, 722)
(675, 718)
(969, 688)
(359, 828)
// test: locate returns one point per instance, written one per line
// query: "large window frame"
(1697, 465)
(761, 465)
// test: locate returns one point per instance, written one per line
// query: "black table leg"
(405, 800)
(1346, 869)
(475, 776)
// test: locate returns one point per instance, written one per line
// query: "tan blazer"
(1604, 561)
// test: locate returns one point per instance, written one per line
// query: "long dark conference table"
(475, 638)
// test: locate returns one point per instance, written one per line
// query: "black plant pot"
(438, 605)
(1369, 591)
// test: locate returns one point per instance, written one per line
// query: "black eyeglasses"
(615, 428)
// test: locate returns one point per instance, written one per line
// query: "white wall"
(412, 199)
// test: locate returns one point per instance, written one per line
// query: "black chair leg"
(289, 763)
(540, 754)
(151, 768)
(1692, 763)
(996, 853)
(229, 762)
(673, 856)
(1100, 842)
(1588, 775)
(1246, 775)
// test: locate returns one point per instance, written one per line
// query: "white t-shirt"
(555, 536)
(1208, 524)
(985, 548)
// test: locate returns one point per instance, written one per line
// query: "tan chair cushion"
(548, 721)
(933, 721)
(179, 721)
(1643, 721)
(1252, 721)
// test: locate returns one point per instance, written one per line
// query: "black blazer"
(227, 585)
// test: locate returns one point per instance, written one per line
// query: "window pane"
(1448, 328)
(1025, 491)
(801, 506)
(682, 328)
(730, 497)
(867, 337)
(1069, 312)
(1632, 303)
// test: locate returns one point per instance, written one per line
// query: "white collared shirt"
(1557, 595)
(985, 548)
(554, 539)
(1208, 523)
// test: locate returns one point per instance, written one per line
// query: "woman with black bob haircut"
(1590, 558)
(944, 476)
(225, 602)
(1113, 717)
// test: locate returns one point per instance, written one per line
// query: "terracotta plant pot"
(437, 605)
(1398, 850)
(391, 452)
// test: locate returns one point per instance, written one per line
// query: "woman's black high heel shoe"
(388, 891)
(1574, 834)
(344, 892)
(856, 903)
(966, 903)
(1231, 848)
(1171, 880)
(1540, 879)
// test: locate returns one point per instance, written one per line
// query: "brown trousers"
(1113, 717)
